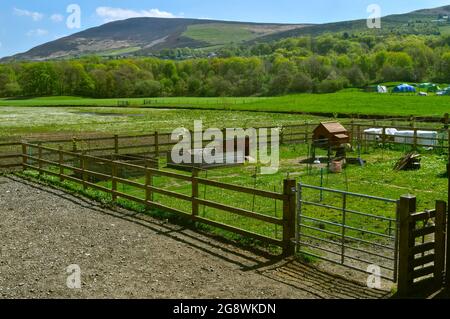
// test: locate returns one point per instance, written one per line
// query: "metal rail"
(321, 243)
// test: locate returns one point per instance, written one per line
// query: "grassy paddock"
(345, 102)
(35, 121)
(377, 178)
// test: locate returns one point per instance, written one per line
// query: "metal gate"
(353, 230)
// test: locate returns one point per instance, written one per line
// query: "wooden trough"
(228, 159)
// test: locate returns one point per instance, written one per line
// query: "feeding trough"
(233, 153)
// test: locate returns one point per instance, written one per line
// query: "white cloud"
(36, 16)
(112, 14)
(37, 33)
(1, 44)
(57, 17)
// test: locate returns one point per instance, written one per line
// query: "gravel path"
(127, 255)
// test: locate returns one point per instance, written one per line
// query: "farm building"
(424, 138)
(331, 134)
(404, 88)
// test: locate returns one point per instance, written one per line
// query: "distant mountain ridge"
(146, 35)
(390, 23)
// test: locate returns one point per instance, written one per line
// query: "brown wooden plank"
(242, 189)
(161, 207)
(156, 172)
(420, 249)
(130, 197)
(422, 261)
(129, 182)
(423, 216)
(418, 233)
(239, 211)
(423, 272)
(10, 165)
(170, 193)
(441, 213)
(10, 156)
(239, 231)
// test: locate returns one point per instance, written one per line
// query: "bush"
(330, 86)
(301, 84)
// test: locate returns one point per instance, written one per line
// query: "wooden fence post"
(116, 144)
(148, 183)
(40, 158)
(448, 145)
(74, 145)
(289, 209)
(114, 181)
(195, 192)
(441, 212)
(61, 163)
(24, 156)
(408, 204)
(156, 145)
(83, 169)
(447, 269)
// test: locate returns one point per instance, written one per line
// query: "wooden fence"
(422, 247)
(422, 236)
(158, 144)
(58, 162)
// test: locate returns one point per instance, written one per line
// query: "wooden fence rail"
(157, 144)
(83, 177)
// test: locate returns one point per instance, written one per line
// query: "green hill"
(145, 36)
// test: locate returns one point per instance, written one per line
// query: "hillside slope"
(421, 21)
(151, 34)
(144, 36)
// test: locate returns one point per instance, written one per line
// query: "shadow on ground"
(300, 280)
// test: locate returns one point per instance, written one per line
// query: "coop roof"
(334, 127)
(342, 136)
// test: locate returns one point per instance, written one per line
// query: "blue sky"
(25, 24)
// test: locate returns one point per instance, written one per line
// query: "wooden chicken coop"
(330, 134)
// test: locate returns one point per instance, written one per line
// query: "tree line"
(322, 64)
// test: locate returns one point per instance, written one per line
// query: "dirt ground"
(122, 254)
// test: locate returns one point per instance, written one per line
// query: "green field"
(445, 30)
(345, 102)
(119, 51)
(216, 34)
(21, 122)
